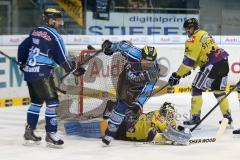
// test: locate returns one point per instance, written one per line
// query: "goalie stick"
(214, 139)
(185, 138)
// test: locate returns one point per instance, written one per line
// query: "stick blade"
(221, 129)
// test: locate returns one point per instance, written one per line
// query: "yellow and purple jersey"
(145, 123)
(200, 50)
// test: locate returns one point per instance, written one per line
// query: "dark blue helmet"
(191, 22)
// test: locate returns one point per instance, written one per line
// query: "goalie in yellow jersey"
(153, 127)
(202, 51)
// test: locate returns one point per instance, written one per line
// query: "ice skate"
(30, 137)
(53, 140)
(228, 116)
(193, 121)
(107, 140)
(236, 132)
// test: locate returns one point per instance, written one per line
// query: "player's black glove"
(174, 79)
(22, 66)
(79, 70)
(107, 47)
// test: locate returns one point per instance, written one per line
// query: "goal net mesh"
(86, 96)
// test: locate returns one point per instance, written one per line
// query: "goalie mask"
(168, 112)
(149, 53)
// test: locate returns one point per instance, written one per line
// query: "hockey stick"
(192, 140)
(217, 137)
(202, 140)
(11, 59)
(159, 89)
(231, 90)
(20, 65)
(83, 62)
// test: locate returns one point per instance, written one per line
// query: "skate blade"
(31, 143)
(50, 145)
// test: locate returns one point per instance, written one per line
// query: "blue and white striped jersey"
(41, 51)
(134, 77)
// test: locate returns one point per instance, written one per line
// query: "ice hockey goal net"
(87, 95)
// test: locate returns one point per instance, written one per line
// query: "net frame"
(87, 93)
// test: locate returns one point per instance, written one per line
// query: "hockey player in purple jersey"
(39, 53)
(135, 83)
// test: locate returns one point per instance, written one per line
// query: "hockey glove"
(79, 70)
(174, 79)
(106, 47)
(22, 66)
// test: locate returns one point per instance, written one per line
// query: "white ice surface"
(12, 122)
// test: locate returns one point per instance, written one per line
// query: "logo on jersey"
(159, 118)
(53, 121)
(41, 34)
(191, 39)
(31, 69)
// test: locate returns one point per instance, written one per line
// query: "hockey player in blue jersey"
(39, 53)
(135, 83)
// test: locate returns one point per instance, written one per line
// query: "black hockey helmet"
(51, 13)
(191, 22)
(167, 110)
(149, 53)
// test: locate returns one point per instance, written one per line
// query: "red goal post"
(94, 88)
